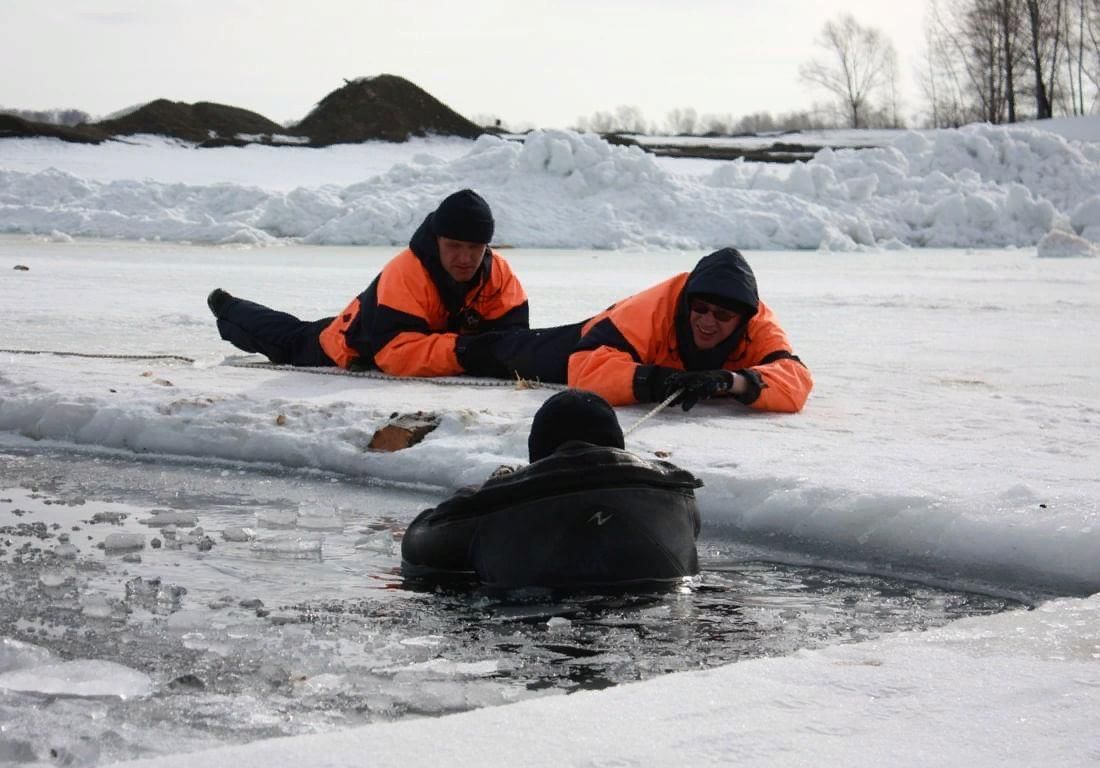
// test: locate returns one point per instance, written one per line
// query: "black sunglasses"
(700, 307)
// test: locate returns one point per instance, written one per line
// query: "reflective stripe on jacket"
(641, 330)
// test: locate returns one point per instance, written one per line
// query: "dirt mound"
(18, 128)
(197, 122)
(385, 107)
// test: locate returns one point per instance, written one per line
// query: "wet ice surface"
(156, 607)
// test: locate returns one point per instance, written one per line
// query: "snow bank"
(979, 186)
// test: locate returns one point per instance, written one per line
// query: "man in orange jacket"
(416, 316)
(705, 332)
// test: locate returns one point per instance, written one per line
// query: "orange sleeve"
(419, 354)
(636, 331)
(786, 381)
(607, 371)
(406, 291)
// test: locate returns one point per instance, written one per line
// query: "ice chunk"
(124, 542)
(276, 518)
(15, 654)
(318, 520)
(558, 624)
(1065, 245)
(50, 578)
(382, 542)
(237, 533)
(163, 517)
(289, 544)
(96, 607)
(66, 551)
(79, 678)
(109, 517)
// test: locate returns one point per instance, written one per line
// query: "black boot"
(217, 300)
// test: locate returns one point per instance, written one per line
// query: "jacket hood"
(725, 275)
(724, 278)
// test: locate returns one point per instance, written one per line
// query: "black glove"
(477, 356)
(650, 383)
(697, 385)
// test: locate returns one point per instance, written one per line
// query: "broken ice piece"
(124, 542)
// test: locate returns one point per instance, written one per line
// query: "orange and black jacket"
(406, 323)
(620, 348)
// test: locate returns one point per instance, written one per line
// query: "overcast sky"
(537, 63)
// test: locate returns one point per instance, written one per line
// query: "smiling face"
(460, 259)
(711, 324)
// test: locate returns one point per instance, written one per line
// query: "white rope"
(660, 407)
(103, 355)
(443, 381)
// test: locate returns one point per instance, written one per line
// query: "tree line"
(996, 61)
(1001, 61)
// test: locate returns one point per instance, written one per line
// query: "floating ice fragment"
(558, 623)
(124, 542)
(66, 551)
(15, 654)
(79, 678)
(163, 517)
(276, 518)
(109, 517)
(288, 544)
(96, 607)
(382, 542)
(237, 533)
(425, 641)
(320, 522)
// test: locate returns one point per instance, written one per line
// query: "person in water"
(415, 317)
(706, 333)
(585, 511)
(573, 415)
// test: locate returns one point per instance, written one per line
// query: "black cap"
(464, 216)
(574, 414)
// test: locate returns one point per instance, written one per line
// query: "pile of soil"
(385, 107)
(198, 122)
(18, 128)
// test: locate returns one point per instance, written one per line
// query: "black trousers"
(539, 353)
(279, 336)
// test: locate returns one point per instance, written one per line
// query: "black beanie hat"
(464, 216)
(574, 414)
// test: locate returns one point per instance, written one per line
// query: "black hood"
(724, 278)
(425, 247)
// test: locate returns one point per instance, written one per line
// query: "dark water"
(310, 627)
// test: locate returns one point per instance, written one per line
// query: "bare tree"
(853, 67)
(979, 44)
(1045, 39)
(629, 119)
(681, 120)
(939, 77)
(1092, 46)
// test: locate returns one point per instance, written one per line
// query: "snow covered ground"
(981, 186)
(951, 436)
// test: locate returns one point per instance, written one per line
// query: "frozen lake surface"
(948, 450)
(151, 632)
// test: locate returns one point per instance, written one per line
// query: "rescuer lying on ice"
(705, 332)
(412, 320)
